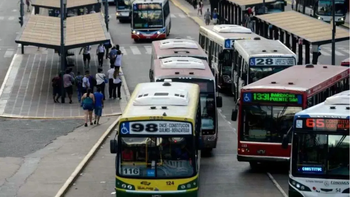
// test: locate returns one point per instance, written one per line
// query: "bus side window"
(245, 73)
(235, 57)
(310, 101)
(239, 65)
(201, 40)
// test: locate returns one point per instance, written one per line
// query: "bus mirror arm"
(285, 139)
(234, 114)
(113, 144)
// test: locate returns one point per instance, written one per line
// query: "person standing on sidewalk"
(111, 88)
(113, 55)
(118, 59)
(107, 47)
(117, 81)
(100, 51)
(68, 86)
(86, 82)
(56, 87)
(207, 17)
(98, 105)
(86, 55)
(101, 80)
(79, 84)
(215, 16)
(200, 8)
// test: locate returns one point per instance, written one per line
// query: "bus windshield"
(147, 15)
(325, 7)
(156, 157)
(321, 155)
(267, 123)
(123, 4)
(257, 73)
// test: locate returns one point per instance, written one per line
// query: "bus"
(217, 41)
(177, 47)
(320, 149)
(123, 9)
(150, 19)
(256, 59)
(158, 141)
(192, 70)
(267, 108)
(322, 9)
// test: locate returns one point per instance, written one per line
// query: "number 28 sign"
(155, 128)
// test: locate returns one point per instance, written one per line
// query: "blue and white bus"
(319, 162)
(150, 19)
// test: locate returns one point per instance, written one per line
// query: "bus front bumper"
(138, 193)
(140, 36)
(256, 158)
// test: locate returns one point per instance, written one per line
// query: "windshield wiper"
(341, 140)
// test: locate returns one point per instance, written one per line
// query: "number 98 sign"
(140, 127)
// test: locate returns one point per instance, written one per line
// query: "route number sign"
(155, 128)
(272, 61)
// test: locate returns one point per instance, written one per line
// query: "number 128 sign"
(155, 128)
(272, 61)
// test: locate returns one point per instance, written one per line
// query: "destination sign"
(272, 97)
(155, 128)
(276, 61)
(148, 6)
(323, 124)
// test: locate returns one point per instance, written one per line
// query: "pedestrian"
(200, 8)
(86, 82)
(113, 55)
(67, 84)
(207, 17)
(56, 87)
(215, 16)
(28, 2)
(117, 81)
(88, 103)
(79, 84)
(111, 88)
(98, 105)
(100, 51)
(107, 47)
(71, 72)
(92, 81)
(86, 55)
(101, 81)
(118, 59)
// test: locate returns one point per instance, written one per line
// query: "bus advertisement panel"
(320, 149)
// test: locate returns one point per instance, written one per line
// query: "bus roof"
(182, 67)
(177, 47)
(159, 99)
(336, 105)
(225, 35)
(256, 48)
(304, 78)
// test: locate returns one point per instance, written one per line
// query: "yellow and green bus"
(158, 141)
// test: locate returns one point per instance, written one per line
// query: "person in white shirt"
(86, 82)
(117, 81)
(100, 51)
(100, 81)
(86, 55)
(118, 59)
(111, 88)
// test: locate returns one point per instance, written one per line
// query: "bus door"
(224, 67)
(236, 74)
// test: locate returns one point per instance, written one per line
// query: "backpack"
(79, 81)
(87, 102)
(92, 81)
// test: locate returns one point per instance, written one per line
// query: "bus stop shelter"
(80, 31)
(71, 4)
(231, 11)
(293, 28)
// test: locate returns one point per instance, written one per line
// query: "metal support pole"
(21, 20)
(62, 49)
(106, 14)
(333, 32)
(264, 6)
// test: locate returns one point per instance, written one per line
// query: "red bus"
(267, 107)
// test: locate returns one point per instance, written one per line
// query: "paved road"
(9, 13)
(221, 174)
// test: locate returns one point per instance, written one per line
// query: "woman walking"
(88, 102)
(101, 81)
(117, 81)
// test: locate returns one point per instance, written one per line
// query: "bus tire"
(167, 31)
(253, 165)
(136, 40)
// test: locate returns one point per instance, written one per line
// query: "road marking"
(337, 53)
(229, 123)
(11, 18)
(2, 18)
(344, 50)
(122, 49)
(325, 53)
(182, 16)
(276, 184)
(172, 16)
(148, 49)
(135, 50)
(14, 10)
(9, 53)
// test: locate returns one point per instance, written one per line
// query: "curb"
(196, 19)
(51, 118)
(85, 161)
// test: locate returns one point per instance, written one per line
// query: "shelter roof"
(56, 3)
(249, 2)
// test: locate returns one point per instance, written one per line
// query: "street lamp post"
(62, 48)
(21, 20)
(333, 32)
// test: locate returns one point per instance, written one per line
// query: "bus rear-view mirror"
(113, 145)
(285, 141)
(234, 115)
(219, 101)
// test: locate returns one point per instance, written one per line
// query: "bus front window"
(267, 123)
(148, 18)
(156, 157)
(324, 8)
(123, 4)
(323, 156)
(208, 112)
(257, 73)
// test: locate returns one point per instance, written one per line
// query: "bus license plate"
(261, 152)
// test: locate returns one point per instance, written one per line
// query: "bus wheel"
(167, 31)
(136, 40)
(253, 165)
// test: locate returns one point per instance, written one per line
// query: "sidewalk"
(187, 8)
(44, 172)
(27, 92)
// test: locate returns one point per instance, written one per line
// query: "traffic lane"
(341, 53)
(19, 138)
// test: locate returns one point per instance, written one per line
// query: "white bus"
(150, 19)
(123, 9)
(319, 162)
(256, 59)
(217, 41)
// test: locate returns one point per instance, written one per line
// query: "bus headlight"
(340, 19)
(299, 186)
(117, 14)
(158, 32)
(124, 186)
(189, 185)
(129, 187)
(133, 32)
